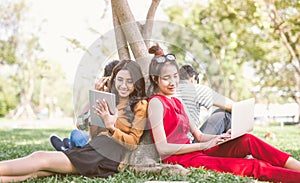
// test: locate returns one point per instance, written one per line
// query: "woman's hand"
(100, 84)
(211, 143)
(103, 111)
(217, 139)
(228, 133)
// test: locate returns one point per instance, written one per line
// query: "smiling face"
(168, 80)
(124, 83)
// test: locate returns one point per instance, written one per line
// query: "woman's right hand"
(216, 140)
(99, 85)
(211, 143)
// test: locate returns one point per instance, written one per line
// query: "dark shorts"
(99, 158)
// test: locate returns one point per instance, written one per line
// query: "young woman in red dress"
(170, 125)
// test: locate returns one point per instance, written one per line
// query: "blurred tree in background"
(243, 48)
(28, 83)
(254, 43)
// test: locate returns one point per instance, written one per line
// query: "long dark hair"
(138, 80)
(155, 68)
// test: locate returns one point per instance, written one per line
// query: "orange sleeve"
(130, 136)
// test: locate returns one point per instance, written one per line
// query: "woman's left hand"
(103, 111)
(223, 137)
(228, 132)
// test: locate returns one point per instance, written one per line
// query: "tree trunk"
(147, 28)
(130, 28)
(121, 42)
(25, 109)
(145, 157)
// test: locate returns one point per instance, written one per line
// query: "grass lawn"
(16, 143)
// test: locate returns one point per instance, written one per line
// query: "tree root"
(159, 168)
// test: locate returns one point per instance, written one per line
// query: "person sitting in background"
(79, 137)
(194, 96)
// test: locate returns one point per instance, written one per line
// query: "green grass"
(16, 143)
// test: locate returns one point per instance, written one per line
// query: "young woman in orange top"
(101, 157)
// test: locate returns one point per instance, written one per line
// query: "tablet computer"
(95, 95)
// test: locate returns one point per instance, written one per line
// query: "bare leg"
(292, 163)
(40, 163)
(4, 179)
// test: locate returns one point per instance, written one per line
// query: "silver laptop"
(242, 118)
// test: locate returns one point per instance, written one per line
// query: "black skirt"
(99, 158)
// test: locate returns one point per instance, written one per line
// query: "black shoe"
(66, 142)
(57, 143)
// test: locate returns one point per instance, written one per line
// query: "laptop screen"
(242, 116)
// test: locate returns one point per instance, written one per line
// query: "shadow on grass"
(17, 143)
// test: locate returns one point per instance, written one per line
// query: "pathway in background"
(44, 123)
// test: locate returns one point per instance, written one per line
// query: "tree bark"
(130, 28)
(121, 41)
(25, 109)
(145, 157)
(147, 28)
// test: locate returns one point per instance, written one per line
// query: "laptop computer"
(242, 118)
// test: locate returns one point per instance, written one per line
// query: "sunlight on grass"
(21, 142)
(286, 138)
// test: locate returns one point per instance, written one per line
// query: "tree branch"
(120, 37)
(130, 28)
(147, 28)
(279, 26)
(105, 9)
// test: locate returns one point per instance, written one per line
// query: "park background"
(253, 51)
(246, 49)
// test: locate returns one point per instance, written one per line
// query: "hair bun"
(156, 50)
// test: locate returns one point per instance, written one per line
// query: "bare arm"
(222, 102)
(199, 136)
(155, 115)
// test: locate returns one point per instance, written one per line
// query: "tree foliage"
(23, 64)
(256, 37)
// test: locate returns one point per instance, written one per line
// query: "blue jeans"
(78, 138)
(219, 122)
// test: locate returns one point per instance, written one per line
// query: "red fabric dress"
(267, 164)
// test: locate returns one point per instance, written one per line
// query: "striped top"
(193, 97)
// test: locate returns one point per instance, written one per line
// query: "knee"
(44, 159)
(220, 115)
(39, 157)
(37, 154)
(74, 133)
(78, 138)
(77, 133)
(248, 138)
